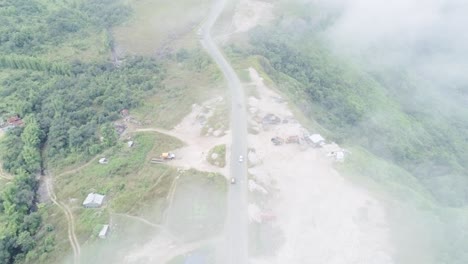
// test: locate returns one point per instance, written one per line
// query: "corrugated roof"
(94, 198)
(316, 138)
(103, 231)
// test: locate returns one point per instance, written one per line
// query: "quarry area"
(303, 202)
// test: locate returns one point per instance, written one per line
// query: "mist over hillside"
(410, 101)
(422, 41)
(388, 77)
(425, 37)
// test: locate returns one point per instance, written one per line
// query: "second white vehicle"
(241, 158)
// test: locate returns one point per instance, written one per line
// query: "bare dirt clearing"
(197, 144)
(323, 217)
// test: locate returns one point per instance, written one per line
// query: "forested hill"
(56, 76)
(33, 27)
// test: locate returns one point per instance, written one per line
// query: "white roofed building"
(93, 200)
(104, 231)
(316, 140)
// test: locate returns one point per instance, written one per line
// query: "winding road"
(236, 227)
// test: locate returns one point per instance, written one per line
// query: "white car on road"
(241, 158)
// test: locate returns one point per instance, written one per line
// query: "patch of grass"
(91, 46)
(220, 153)
(183, 87)
(124, 234)
(219, 121)
(128, 181)
(158, 22)
(384, 177)
(199, 206)
(244, 75)
(52, 243)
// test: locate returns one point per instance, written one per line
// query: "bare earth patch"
(197, 144)
(324, 218)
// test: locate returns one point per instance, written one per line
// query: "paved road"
(236, 227)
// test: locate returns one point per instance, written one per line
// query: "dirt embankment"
(323, 216)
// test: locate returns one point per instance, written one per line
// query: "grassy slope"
(169, 26)
(159, 22)
(182, 88)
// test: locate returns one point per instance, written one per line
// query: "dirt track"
(70, 220)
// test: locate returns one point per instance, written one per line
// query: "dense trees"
(31, 63)
(70, 109)
(20, 222)
(66, 105)
(29, 27)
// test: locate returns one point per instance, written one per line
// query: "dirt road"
(70, 220)
(236, 227)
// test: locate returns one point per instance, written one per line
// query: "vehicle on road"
(241, 158)
(233, 180)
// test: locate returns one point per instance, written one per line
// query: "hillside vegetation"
(58, 81)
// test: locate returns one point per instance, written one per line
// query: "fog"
(427, 41)
(426, 36)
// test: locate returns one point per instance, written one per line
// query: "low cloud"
(428, 36)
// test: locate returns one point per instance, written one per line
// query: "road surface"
(236, 227)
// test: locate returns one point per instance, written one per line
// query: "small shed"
(93, 200)
(316, 140)
(104, 231)
(130, 144)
